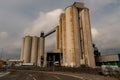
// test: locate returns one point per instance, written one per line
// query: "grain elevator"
(73, 40)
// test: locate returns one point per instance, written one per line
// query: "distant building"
(112, 59)
(14, 62)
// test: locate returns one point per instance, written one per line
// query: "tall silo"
(87, 39)
(62, 17)
(34, 50)
(70, 45)
(76, 35)
(39, 54)
(40, 49)
(57, 37)
(22, 49)
(82, 57)
(27, 49)
(60, 34)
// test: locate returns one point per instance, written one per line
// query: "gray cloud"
(3, 35)
(108, 28)
(45, 22)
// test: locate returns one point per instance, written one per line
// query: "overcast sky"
(28, 17)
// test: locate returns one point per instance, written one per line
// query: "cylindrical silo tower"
(40, 49)
(70, 41)
(62, 17)
(39, 54)
(57, 37)
(76, 35)
(34, 50)
(60, 34)
(86, 36)
(22, 49)
(27, 49)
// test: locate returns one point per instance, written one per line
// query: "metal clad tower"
(34, 50)
(27, 49)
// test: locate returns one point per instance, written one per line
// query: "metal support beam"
(50, 32)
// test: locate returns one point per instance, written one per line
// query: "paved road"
(30, 75)
(3, 73)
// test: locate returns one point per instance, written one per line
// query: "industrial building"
(32, 50)
(73, 41)
(111, 60)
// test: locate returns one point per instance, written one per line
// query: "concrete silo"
(39, 54)
(76, 35)
(34, 50)
(27, 49)
(72, 37)
(22, 49)
(62, 17)
(86, 37)
(40, 49)
(60, 34)
(57, 37)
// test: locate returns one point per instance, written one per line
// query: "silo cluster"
(73, 36)
(31, 50)
(73, 40)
